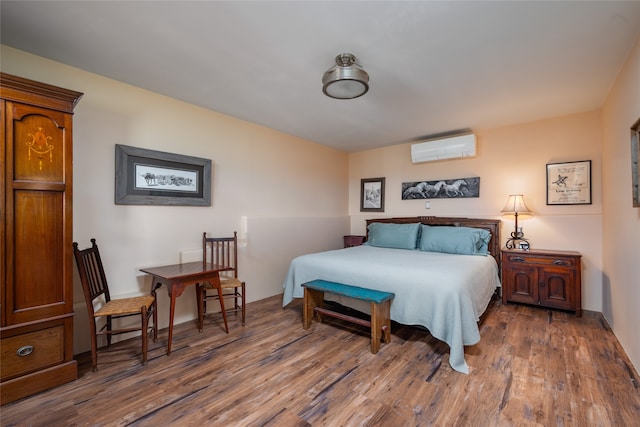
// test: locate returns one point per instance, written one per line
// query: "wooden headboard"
(491, 225)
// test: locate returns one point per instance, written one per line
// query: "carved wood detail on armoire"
(36, 269)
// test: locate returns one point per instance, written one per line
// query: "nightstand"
(350, 241)
(541, 277)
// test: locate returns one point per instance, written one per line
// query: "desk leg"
(200, 301)
(172, 310)
(218, 286)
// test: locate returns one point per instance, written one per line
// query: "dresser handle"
(25, 350)
(560, 262)
(517, 259)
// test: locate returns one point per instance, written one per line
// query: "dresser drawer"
(21, 354)
(544, 260)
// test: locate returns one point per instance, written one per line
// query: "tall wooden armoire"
(36, 275)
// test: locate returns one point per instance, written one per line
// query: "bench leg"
(312, 299)
(380, 325)
(385, 309)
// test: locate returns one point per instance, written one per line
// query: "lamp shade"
(346, 79)
(515, 205)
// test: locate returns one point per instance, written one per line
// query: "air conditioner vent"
(454, 147)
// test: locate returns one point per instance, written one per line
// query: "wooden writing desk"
(178, 276)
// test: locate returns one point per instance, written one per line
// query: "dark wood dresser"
(545, 278)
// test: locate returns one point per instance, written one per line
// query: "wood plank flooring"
(532, 367)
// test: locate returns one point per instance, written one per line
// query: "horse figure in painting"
(422, 190)
(150, 178)
(561, 181)
(431, 190)
(413, 193)
(453, 190)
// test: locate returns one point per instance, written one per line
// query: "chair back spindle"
(92, 276)
(221, 251)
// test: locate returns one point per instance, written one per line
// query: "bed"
(443, 271)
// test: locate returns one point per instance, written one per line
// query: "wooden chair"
(224, 251)
(96, 294)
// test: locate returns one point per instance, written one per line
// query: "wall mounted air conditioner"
(453, 147)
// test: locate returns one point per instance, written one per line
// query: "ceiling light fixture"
(346, 79)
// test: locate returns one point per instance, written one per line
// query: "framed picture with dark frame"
(149, 177)
(372, 195)
(569, 183)
(635, 168)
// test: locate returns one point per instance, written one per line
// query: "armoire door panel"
(38, 143)
(39, 276)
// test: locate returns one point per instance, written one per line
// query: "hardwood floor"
(532, 367)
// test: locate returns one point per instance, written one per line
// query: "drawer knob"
(560, 262)
(25, 350)
(517, 259)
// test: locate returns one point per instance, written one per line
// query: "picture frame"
(442, 189)
(635, 168)
(372, 195)
(569, 183)
(149, 177)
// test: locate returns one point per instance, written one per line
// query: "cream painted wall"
(279, 182)
(510, 160)
(621, 225)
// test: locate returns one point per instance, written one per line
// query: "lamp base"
(514, 241)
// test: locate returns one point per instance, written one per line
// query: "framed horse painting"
(149, 177)
(441, 189)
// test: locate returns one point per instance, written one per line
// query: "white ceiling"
(434, 66)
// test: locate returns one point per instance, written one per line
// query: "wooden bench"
(380, 323)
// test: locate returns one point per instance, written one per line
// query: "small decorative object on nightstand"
(546, 278)
(350, 241)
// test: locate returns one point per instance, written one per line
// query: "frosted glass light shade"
(346, 79)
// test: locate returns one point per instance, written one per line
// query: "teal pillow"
(485, 238)
(398, 236)
(454, 240)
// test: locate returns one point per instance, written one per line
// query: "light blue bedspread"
(445, 293)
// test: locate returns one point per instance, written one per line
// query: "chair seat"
(225, 282)
(125, 306)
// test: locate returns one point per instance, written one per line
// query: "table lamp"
(515, 206)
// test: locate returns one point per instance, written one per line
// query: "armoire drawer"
(28, 352)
